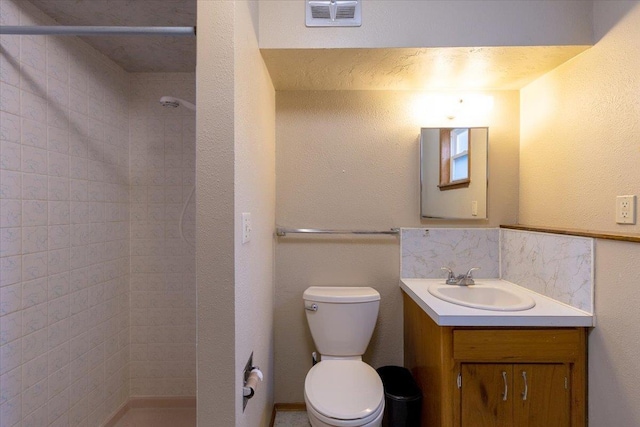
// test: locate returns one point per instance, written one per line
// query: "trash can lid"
(399, 383)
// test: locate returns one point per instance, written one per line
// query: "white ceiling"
(459, 68)
(136, 53)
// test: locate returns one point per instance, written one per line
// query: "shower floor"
(186, 417)
(158, 417)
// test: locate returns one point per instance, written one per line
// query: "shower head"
(168, 102)
(171, 102)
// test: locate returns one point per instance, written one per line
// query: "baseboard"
(286, 407)
(150, 402)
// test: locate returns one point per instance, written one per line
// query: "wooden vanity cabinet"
(497, 377)
(495, 394)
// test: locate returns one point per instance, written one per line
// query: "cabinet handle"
(526, 386)
(506, 389)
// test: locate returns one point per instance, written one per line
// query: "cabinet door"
(542, 395)
(486, 399)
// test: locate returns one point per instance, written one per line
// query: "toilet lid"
(344, 389)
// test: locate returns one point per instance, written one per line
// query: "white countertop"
(547, 312)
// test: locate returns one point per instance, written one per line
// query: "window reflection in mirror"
(454, 159)
(453, 173)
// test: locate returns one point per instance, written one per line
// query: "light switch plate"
(246, 227)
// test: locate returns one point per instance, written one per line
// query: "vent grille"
(320, 12)
(346, 12)
(332, 13)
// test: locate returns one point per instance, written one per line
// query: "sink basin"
(484, 297)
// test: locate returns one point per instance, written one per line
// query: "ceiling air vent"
(334, 13)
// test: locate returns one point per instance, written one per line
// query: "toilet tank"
(343, 319)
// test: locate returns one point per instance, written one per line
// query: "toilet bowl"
(342, 390)
(344, 393)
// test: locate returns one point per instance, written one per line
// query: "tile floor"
(160, 417)
(291, 419)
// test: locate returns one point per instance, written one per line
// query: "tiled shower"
(97, 285)
(163, 292)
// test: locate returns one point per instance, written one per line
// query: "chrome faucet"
(451, 276)
(467, 279)
(460, 280)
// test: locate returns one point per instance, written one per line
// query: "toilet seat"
(344, 392)
(375, 420)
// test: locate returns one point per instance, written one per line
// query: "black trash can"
(403, 398)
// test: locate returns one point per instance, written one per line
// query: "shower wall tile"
(425, 251)
(162, 155)
(560, 267)
(64, 228)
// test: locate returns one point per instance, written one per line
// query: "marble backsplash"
(558, 266)
(425, 251)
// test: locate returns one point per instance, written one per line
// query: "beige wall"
(614, 380)
(255, 194)
(410, 23)
(579, 149)
(235, 174)
(350, 160)
(215, 227)
(579, 144)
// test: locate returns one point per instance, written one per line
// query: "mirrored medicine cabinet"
(453, 173)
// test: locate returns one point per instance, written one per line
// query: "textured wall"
(406, 23)
(235, 174)
(163, 294)
(579, 149)
(216, 381)
(64, 229)
(254, 193)
(351, 160)
(614, 380)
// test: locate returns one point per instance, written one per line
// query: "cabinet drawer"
(539, 345)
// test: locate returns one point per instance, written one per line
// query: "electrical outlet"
(626, 209)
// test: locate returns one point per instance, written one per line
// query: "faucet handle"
(451, 273)
(451, 276)
(468, 275)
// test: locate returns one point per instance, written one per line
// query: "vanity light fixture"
(455, 109)
(437, 110)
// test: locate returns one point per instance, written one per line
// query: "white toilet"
(341, 390)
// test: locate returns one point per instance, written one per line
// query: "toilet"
(341, 390)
